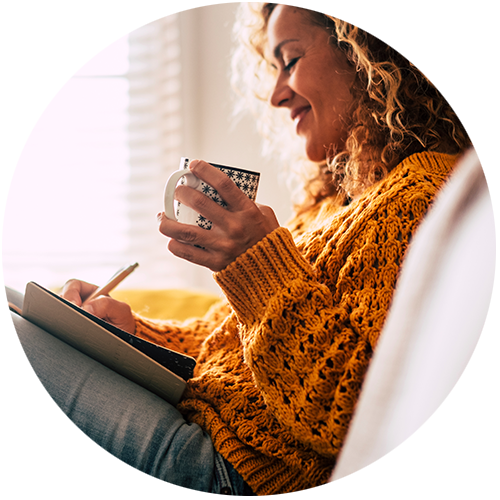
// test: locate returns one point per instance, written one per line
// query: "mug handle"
(168, 194)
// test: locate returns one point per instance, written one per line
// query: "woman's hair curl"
(396, 110)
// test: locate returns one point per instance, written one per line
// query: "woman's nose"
(281, 94)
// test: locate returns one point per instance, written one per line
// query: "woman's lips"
(298, 115)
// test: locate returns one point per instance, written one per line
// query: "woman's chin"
(316, 155)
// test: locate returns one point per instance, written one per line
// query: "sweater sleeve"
(308, 342)
(185, 337)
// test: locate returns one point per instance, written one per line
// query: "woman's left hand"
(235, 229)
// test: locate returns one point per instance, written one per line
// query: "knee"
(14, 297)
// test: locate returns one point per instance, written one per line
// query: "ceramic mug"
(246, 180)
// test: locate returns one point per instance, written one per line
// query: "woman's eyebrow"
(277, 49)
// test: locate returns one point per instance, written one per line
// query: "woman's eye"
(291, 64)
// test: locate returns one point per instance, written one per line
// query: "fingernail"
(193, 164)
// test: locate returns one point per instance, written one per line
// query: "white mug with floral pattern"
(246, 180)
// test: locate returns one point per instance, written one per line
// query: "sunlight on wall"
(67, 202)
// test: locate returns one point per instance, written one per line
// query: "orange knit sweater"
(281, 363)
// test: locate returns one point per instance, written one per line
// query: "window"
(85, 195)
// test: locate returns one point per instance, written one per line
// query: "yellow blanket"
(167, 304)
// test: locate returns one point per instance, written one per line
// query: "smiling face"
(313, 79)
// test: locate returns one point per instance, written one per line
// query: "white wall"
(211, 132)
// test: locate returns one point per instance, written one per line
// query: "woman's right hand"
(111, 310)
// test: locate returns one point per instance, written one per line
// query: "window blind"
(156, 120)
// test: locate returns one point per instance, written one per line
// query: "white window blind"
(89, 184)
(157, 115)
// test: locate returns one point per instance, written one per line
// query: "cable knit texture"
(280, 364)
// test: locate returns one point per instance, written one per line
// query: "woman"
(282, 360)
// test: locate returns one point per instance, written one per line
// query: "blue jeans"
(127, 420)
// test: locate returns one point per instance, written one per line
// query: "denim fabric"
(130, 422)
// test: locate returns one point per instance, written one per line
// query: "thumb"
(268, 213)
(113, 311)
(89, 308)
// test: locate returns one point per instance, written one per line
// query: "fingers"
(113, 311)
(235, 199)
(196, 255)
(188, 242)
(230, 236)
(200, 203)
(226, 188)
(269, 214)
(77, 291)
(185, 233)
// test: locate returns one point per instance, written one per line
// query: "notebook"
(158, 369)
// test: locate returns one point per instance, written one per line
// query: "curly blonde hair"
(396, 110)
